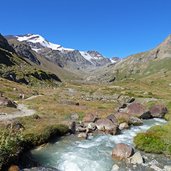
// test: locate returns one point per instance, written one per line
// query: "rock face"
(158, 111)
(138, 110)
(26, 51)
(122, 151)
(106, 126)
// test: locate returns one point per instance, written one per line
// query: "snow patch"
(35, 38)
(87, 56)
(113, 61)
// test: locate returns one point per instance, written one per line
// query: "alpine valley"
(72, 110)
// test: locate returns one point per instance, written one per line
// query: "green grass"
(155, 140)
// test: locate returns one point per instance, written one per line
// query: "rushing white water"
(71, 154)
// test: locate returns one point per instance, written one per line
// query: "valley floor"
(55, 105)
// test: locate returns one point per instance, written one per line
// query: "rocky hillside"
(63, 57)
(15, 67)
(141, 65)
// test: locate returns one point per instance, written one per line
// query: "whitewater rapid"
(72, 154)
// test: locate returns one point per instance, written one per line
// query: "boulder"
(122, 117)
(89, 117)
(158, 111)
(122, 151)
(83, 135)
(113, 119)
(136, 159)
(15, 125)
(138, 110)
(106, 126)
(91, 127)
(123, 126)
(115, 167)
(4, 101)
(135, 121)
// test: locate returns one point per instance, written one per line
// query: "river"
(72, 154)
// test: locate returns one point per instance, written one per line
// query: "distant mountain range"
(28, 56)
(63, 57)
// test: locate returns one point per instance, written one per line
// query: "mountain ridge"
(45, 48)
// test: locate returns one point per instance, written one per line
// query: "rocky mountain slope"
(15, 67)
(63, 57)
(141, 65)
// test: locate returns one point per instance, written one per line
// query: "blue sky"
(112, 27)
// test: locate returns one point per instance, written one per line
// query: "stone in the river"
(167, 168)
(106, 126)
(158, 111)
(14, 168)
(135, 121)
(83, 135)
(136, 158)
(89, 117)
(115, 167)
(123, 125)
(122, 151)
(138, 110)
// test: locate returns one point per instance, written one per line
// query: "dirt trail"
(23, 111)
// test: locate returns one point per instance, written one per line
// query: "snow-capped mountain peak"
(45, 48)
(35, 38)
